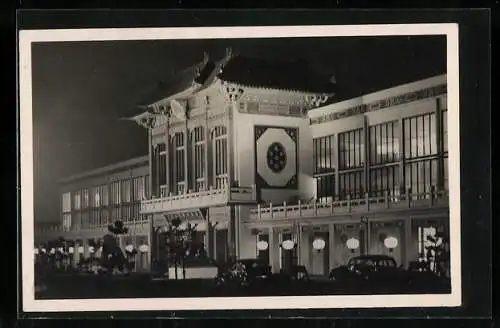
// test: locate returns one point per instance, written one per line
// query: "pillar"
(305, 247)
(331, 246)
(274, 254)
(408, 252)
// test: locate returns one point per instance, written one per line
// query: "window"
(219, 139)
(324, 154)
(351, 149)
(115, 193)
(96, 196)
(384, 180)
(420, 136)
(179, 144)
(85, 198)
(420, 176)
(139, 191)
(103, 194)
(351, 184)
(445, 131)
(66, 202)
(325, 188)
(198, 136)
(67, 221)
(85, 219)
(126, 192)
(77, 200)
(384, 143)
(445, 169)
(161, 153)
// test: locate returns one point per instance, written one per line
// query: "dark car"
(243, 273)
(369, 269)
(381, 273)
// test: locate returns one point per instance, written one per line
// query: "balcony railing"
(192, 200)
(351, 206)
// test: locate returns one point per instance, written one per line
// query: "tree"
(180, 244)
(112, 256)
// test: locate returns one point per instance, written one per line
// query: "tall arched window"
(219, 153)
(179, 146)
(198, 163)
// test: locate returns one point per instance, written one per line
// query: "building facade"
(273, 168)
(93, 200)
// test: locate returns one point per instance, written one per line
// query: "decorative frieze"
(383, 103)
(254, 107)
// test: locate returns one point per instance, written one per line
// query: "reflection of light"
(91, 249)
(129, 248)
(80, 250)
(60, 249)
(143, 248)
(71, 250)
(262, 245)
(52, 251)
(352, 243)
(319, 244)
(36, 251)
(44, 250)
(288, 244)
(391, 242)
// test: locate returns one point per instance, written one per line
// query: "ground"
(74, 286)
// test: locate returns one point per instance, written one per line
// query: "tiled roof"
(246, 71)
(276, 74)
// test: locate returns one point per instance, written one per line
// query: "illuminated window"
(198, 138)
(324, 154)
(66, 202)
(351, 149)
(219, 140)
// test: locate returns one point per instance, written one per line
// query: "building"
(272, 167)
(92, 200)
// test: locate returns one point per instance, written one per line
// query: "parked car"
(243, 273)
(371, 270)
(381, 273)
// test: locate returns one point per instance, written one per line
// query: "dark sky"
(80, 89)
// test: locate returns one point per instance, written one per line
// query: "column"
(168, 150)
(207, 137)
(331, 245)
(305, 247)
(274, 245)
(440, 145)
(230, 146)
(151, 158)
(408, 252)
(336, 159)
(366, 153)
(231, 231)
(401, 157)
(186, 166)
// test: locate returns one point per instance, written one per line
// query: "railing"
(351, 206)
(190, 200)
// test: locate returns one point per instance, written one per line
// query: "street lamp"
(352, 243)
(391, 243)
(319, 244)
(262, 245)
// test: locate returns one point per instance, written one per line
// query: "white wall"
(244, 153)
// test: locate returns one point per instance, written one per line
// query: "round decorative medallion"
(276, 157)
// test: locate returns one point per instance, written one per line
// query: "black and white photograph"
(240, 168)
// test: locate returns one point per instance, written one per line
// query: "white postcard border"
(29, 304)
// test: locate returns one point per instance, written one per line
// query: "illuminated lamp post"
(352, 244)
(319, 244)
(390, 243)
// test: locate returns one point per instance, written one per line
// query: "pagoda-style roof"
(289, 75)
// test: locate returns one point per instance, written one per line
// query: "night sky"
(81, 89)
